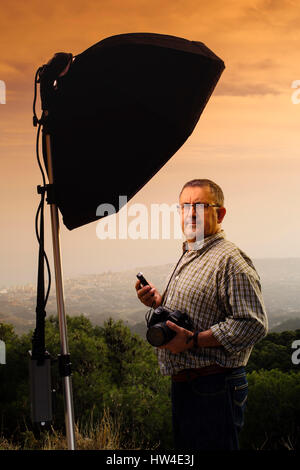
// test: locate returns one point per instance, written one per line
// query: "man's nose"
(192, 210)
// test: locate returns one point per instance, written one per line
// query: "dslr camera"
(158, 332)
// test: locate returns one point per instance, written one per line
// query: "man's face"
(208, 220)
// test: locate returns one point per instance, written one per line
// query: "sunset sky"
(247, 139)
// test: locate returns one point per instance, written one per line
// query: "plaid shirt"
(218, 287)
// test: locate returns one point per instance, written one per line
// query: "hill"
(112, 294)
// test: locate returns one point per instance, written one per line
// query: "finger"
(143, 290)
(148, 295)
(173, 326)
(139, 286)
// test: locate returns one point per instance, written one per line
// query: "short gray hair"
(214, 187)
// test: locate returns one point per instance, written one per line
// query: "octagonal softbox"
(124, 107)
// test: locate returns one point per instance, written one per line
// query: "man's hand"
(183, 339)
(181, 342)
(148, 294)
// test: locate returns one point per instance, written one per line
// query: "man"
(216, 284)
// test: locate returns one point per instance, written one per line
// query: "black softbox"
(124, 107)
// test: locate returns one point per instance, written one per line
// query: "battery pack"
(40, 390)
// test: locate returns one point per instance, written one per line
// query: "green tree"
(274, 352)
(14, 390)
(111, 368)
(272, 419)
(139, 391)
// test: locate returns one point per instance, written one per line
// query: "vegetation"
(123, 402)
(102, 435)
(273, 411)
(274, 352)
(112, 370)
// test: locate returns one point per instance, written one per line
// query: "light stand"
(40, 369)
(64, 358)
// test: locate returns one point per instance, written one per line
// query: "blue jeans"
(208, 412)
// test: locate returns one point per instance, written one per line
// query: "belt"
(186, 375)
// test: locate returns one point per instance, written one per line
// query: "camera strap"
(171, 277)
(148, 314)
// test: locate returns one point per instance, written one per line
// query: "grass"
(103, 436)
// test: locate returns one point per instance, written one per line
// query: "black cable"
(39, 209)
(40, 122)
(38, 340)
(45, 255)
(38, 153)
(36, 81)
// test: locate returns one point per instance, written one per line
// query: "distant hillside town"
(112, 294)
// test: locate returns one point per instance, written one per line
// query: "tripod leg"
(67, 382)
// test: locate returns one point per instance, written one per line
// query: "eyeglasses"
(196, 206)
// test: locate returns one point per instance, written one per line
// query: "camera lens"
(156, 335)
(159, 334)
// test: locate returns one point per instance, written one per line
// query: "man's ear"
(221, 214)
